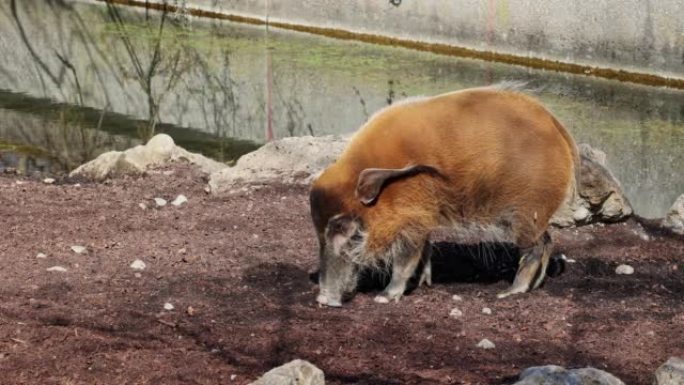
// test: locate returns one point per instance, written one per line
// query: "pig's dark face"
(340, 244)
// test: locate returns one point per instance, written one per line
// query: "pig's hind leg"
(532, 268)
(403, 267)
(426, 272)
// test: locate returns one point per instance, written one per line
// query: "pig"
(490, 162)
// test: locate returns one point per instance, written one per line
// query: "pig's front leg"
(403, 267)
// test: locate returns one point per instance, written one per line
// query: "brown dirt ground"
(242, 264)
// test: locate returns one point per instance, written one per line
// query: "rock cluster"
(158, 151)
(298, 160)
(600, 198)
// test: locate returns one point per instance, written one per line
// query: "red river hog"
(491, 161)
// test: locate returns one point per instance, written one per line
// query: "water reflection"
(208, 83)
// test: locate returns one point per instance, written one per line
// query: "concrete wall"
(645, 36)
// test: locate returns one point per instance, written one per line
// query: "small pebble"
(77, 185)
(233, 377)
(142, 206)
(41, 256)
(624, 270)
(457, 297)
(168, 306)
(57, 268)
(78, 249)
(190, 310)
(49, 180)
(456, 313)
(486, 310)
(20, 182)
(180, 199)
(207, 189)
(138, 265)
(137, 275)
(486, 344)
(161, 202)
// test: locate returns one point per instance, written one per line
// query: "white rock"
(486, 310)
(581, 214)
(288, 160)
(138, 265)
(78, 249)
(457, 297)
(180, 199)
(20, 182)
(168, 306)
(41, 256)
(671, 372)
(624, 270)
(297, 372)
(57, 268)
(486, 344)
(49, 180)
(160, 202)
(556, 375)
(142, 206)
(456, 313)
(674, 219)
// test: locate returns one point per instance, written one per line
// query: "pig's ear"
(372, 180)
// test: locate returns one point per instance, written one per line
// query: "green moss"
(23, 149)
(443, 49)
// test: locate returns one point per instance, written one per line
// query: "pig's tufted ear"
(372, 180)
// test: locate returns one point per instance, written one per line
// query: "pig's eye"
(356, 237)
(339, 225)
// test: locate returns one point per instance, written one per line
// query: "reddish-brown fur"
(504, 161)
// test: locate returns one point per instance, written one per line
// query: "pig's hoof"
(381, 299)
(324, 300)
(387, 297)
(511, 291)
